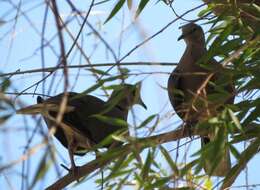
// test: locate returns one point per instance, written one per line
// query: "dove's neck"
(195, 51)
(196, 46)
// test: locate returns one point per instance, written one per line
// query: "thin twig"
(52, 69)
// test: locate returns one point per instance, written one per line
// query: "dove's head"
(192, 33)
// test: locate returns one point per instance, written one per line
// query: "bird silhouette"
(189, 97)
(82, 127)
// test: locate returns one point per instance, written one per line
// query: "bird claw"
(187, 130)
(74, 170)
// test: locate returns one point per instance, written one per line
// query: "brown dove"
(81, 128)
(188, 96)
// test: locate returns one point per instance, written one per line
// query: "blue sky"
(20, 50)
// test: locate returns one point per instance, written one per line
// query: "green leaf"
(120, 164)
(5, 84)
(4, 118)
(113, 153)
(147, 166)
(138, 179)
(117, 97)
(245, 157)
(124, 71)
(252, 116)
(204, 11)
(184, 171)
(169, 160)
(208, 184)
(215, 47)
(141, 6)
(42, 169)
(129, 4)
(111, 120)
(115, 175)
(117, 7)
(98, 71)
(96, 86)
(235, 120)
(230, 46)
(92, 88)
(248, 133)
(121, 184)
(234, 152)
(161, 182)
(214, 150)
(148, 120)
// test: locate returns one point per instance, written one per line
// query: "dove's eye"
(193, 30)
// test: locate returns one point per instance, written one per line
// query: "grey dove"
(81, 128)
(189, 100)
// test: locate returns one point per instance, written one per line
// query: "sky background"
(20, 50)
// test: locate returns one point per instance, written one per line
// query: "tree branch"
(121, 151)
(124, 150)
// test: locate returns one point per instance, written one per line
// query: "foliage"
(234, 41)
(6, 105)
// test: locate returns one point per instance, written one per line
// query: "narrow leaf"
(117, 7)
(169, 160)
(129, 4)
(246, 155)
(141, 6)
(42, 169)
(235, 120)
(147, 165)
(148, 120)
(111, 120)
